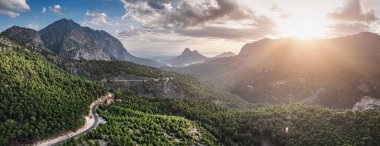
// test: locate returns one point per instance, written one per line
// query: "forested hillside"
(39, 99)
(293, 124)
(126, 126)
(184, 86)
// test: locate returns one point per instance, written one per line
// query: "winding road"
(92, 121)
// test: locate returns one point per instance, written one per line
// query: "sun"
(303, 28)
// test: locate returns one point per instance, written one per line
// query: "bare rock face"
(70, 40)
(25, 36)
(366, 103)
(225, 55)
(4, 42)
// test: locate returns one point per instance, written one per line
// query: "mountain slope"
(70, 40)
(187, 58)
(293, 124)
(126, 126)
(28, 37)
(39, 99)
(334, 72)
(225, 55)
(150, 81)
(157, 83)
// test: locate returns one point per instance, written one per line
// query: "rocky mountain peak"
(187, 57)
(28, 37)
(187, 50)
(225, 54)
(70, 40)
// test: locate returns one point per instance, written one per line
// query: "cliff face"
(28, 37)
(70, 40)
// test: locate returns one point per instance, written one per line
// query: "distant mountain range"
(189, 57)
(334, 72)
(225, 55)
(72, 41)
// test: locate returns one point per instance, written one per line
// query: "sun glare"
(303, 28)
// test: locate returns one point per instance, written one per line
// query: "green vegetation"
(129, 127)
(307, 125)
(190, 86)
(39, 99)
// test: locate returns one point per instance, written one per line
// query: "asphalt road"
(93, 126)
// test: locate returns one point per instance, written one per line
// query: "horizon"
(219, 26)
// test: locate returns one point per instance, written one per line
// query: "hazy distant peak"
(366, 35)
(196, 52)
(187, 50)
(188, 57)
(225, 54)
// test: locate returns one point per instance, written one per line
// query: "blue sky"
(149, 28)
(72, 9)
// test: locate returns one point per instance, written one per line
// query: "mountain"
(334, 72)
(187, 58)
(70, 40)
(28, 37)
(155, 80)
(225, 55)
(39, 99)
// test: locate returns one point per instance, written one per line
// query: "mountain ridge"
(320, 71)
(68, 39)
(188, 57)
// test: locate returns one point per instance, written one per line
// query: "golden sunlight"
(303, 27)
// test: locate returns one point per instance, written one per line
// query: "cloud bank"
(351, 18)
(353, 10)
(12, 8)
(55, 9)
(96, 18)
(201, 16)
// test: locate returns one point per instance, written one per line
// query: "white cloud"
(43, 10)
(12, 8)
(56, 8)
(353, 17)
(32, 26)
(353, 10)
(96, 18)
(9, 13)
(195, 19)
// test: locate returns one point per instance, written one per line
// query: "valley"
(335, 72)
(282, 92)
(92, 121)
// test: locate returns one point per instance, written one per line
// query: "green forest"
(39, 99)
(99, 70)
(306, 124)
(131, 127)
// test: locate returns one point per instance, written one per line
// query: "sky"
(152, 28)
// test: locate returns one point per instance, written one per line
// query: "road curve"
(92, 121)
